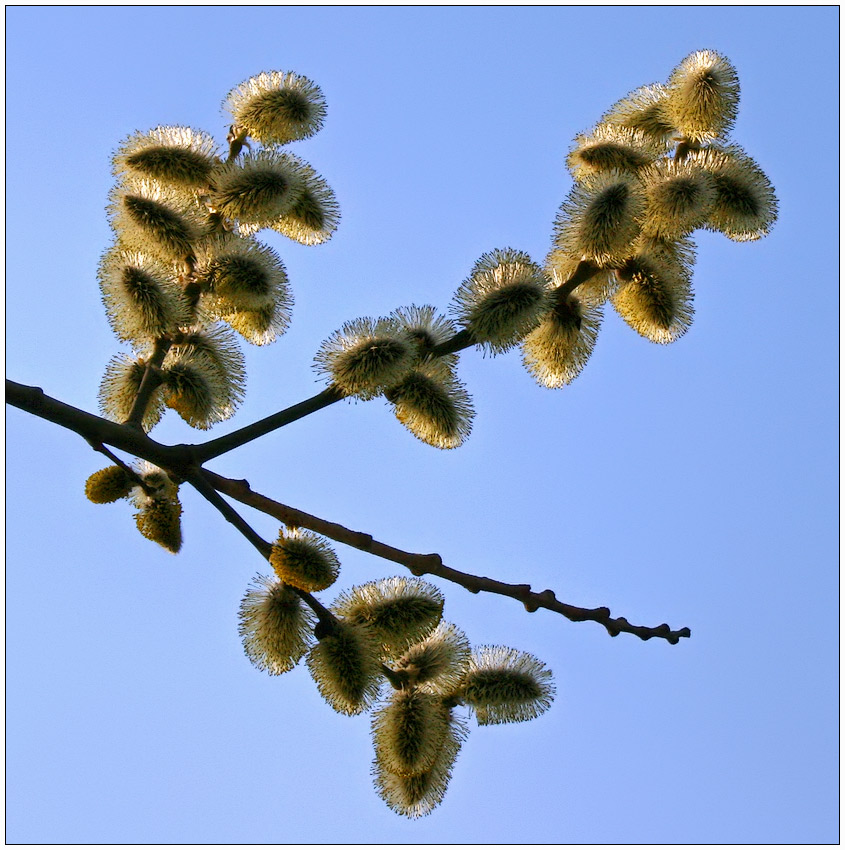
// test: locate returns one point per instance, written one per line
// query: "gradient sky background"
(694, 484)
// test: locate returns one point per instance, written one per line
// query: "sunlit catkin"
(745, 207)
(315, 214)
(304, 560)
(556, 351)
(703, 96)
(504, 685)
(366, 356)
(595, 289)
(257, 189)
(397, 611)
(655, 297)
(502, 299)
(610, 147)
(438, 662)
(151, 218)
(277, 107)
(119, 388)
(345, 665)
(415, 796)
(434, 406)
(265, 325)
(427, 329)
(644, 110)
(108, 485)
(601, 218)
(142, 298)
(679, 198)
(159, 510)
(409, 731)
(176, 155)
(275, 626)
(241, 274)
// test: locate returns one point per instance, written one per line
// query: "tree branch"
(214, 448)
(432, 564)
(199, 480)
(183, 460)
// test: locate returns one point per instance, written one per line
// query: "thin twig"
(199, 480)
(432, 564)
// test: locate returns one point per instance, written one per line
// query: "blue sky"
(694, 484)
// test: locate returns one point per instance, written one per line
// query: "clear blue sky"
(694, 484)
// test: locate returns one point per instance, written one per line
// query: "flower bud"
(505, 685)
(600, 219)
(274, 625)
(409, 731)
(435, 407)
(277, 107)
(365, 357)
(416, 796)
(397, 611)
(304, 560)
(345, 665)
(108, 485)
(257, 189)
(502, 299)
(177, 155)
(703, 96)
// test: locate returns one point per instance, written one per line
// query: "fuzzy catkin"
(397, 611)
(274, 625)
(345, 666)
(409, 731)
(504, 685)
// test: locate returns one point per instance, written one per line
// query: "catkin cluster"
(185, 276)
(658, 166)
(383, 647)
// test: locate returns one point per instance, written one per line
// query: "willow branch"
(95, 429)
(199, 480)
(432, 564)
(214, 448)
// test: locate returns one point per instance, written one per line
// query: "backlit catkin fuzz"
(275, 626)
(601, 218)
(409, 731)
(155, 219)
(345, 665)
(417, 795)
(502, 299)
(174, 155)
(644, 110)
(277, 107)
(397, 611)
(610, 147)
(504, 685)
(438, 662)
(108, 485)
(703, 96)
(304, 560)
(159, 509)
(433, 405)
(366, 356)
(315, 214)
(744, 207)
(258, 188)
(655, 297)
(119, 388)
(203, 377)
(143, 301)
(556, 351)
